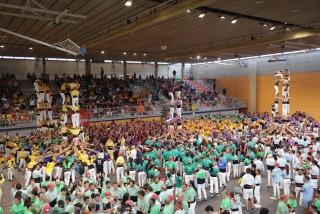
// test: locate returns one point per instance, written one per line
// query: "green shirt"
(190, 194)
(37, 203)
(282, 208)
(69, 209)
(168, 209)
(155, 209)
(317, 204)
(292, 203)
(157, 186)
(18, 209)
(133, 191)
(226, 203)
(201, 174)
(214, 171)
(179, 181)
(170, 165)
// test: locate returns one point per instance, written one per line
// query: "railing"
(24, 116)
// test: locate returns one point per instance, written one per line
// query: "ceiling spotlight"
(219, 58)
(205, 58)
(124, 53)
(1, 46)
(221, 16)
(31, 48)
(202, 14)
(288, 28)
(198, 57)
(144, 54)
(188, 11)
(273, 27)
(102, 52)
(264, 24)
(234, 21)
(128, 3)
(134, 54)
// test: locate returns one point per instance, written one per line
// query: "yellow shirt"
(120, 160)
(49, 167)
(31, 164)
(74, 93)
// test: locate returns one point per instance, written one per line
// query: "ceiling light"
(128, 3)
(188, 11)
(219, 58)
(273, 27)
(205, 58)
(264, 24)
(234, 21)
(134, 54)
(198, 57)
(288, 28)
(1, 46)
(31, 48)
(221, 16)
(144, 54)
(102, 52)
(295, 11)
(202, 14)
(124, 53)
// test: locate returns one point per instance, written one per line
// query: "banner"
(84, 117)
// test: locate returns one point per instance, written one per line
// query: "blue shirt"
(307, 189)
(222, 164)
(286, 175)
(276, 175)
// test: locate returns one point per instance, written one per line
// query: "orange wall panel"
(237, 87)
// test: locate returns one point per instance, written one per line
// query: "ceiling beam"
(281, 37)
(150, 20)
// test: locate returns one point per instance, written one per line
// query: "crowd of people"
(145, 167)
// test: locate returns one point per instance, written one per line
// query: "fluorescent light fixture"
(102, 52)
(134, 62)
(219, 58)
(128, 3)
(107, 61)
(273, 27)
(202, 14)
(234, 21)
(1, 46)
(229, 60)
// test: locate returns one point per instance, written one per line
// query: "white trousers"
(257, 193)
(284, 109)
(73, 175)
(297, 189)
(57, 171)
(276, 189)
(201, 188)
(110, 167)
(105, 167)
(179, 112)
(75, 120)
(188, 178)
(286, 186)
(171, 112)
(10, 174)
(50, 115)
(277, 89)
(44, 114)
(222, 179)
(48, 98)
(63, 96)
(22, 163)
(132, 175)
(67, 176)
(119, 173)
(40, 97)
(141, 178)
(228, 171)
(27, 177)
(214, 181)
(93, 173)
(75, 101)
(192, 208)
(269, 177)
(235, 170)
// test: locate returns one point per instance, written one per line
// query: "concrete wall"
(21, 67)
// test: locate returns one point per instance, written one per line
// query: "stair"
(197, 85)
(26, 88)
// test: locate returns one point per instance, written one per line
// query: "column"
(252, 86)
(88, 67)
(124, 70)
(182, 70)
(44, 69)
(155, 70)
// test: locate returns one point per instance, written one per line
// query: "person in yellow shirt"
(109, 144)
(2, 180)
(50, 166)
(22, 158)
(75, 98)
(10, 165)
(120, 163)
(62, 93)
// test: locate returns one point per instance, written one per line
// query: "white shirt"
(259, 165)
(270, 161)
